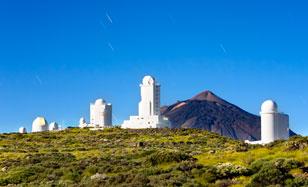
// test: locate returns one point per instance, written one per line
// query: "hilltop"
(149, 157)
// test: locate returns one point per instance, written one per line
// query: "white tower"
(149, 107)
(53, 126)
(274, 125)
(100, 114)
(150, 97)
(39, 125)
(22, 130)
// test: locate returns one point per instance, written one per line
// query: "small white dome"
(82, 123)
(22, 130)
(148, 80)
(39, 124)
(53, 126)
(269, 106)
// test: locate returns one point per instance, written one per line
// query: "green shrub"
(90, 170)
(21, 175)
(167, 156)
(71, 175)
(257, 165)
(209, 175)
(228, 171)
(296, 143)
(297, 182)
(269, 175)
(188, 166)
(273, 172)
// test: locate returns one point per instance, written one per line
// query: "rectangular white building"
(100, 114)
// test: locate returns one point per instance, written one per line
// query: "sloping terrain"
(148, 157)
(209, 112)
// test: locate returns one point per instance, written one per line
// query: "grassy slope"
(150, 157)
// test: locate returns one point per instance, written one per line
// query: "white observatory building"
(39, 125)
(53, 126)
(22, 130)
(274, 125)
(82, 123)
(149, 107)
(100, 114)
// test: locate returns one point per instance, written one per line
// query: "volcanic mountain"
(210, 112)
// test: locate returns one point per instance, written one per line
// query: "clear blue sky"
(57, 56)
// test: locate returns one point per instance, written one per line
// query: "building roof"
(269, 106)
(148, 80)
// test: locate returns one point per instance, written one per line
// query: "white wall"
(274, 126)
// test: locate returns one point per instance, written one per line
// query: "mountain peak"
(208, 96)
(205, 95)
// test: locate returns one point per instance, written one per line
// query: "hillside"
(149, 157)
(209, 112)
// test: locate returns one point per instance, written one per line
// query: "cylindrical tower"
(268, 113)
(150, 97)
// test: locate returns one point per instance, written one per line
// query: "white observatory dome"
(148, 80)
(99, 102)
(53, 126)
(39, 124)
(22, 130)
(269, 106)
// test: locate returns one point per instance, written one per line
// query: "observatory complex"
(100, 114)
(149, 108)
(274, 125)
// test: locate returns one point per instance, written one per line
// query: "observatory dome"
(53, 126)
(148, 80)
(99, 102)
(39, 124)
(269, 106)
(22, 130)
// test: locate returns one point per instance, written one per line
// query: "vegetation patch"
(148, 157)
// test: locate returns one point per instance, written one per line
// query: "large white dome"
(269, 106)
(148, 80)
(39, 124)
